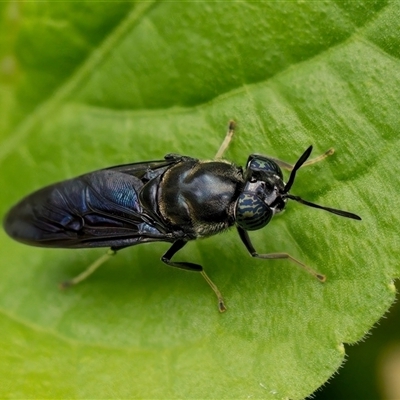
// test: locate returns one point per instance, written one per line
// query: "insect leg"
(228, 138)
(88, 271)
(274, 256)
(289, 167)
(166, 258)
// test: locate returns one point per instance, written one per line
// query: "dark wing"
(99, 209)
(145, 170)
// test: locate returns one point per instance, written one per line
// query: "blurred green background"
(88, 84)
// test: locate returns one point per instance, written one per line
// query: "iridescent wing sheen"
(98, 209)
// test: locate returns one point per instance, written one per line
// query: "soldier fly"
(174, 200)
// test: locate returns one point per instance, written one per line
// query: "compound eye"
(261, 163)
(251, 212)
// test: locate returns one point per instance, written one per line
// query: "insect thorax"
(199, 197)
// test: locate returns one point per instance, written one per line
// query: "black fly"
(175, 200)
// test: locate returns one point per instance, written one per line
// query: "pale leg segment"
(289, 167)
(227, 140)
(88, 271)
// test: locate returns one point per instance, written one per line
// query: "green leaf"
(96, 84)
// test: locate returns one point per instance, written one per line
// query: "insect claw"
(65, 285)
(221, 306)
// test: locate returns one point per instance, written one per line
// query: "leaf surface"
(88, 90)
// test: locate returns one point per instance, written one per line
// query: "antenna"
(298, 164)
(331, 210)
(290, 182)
